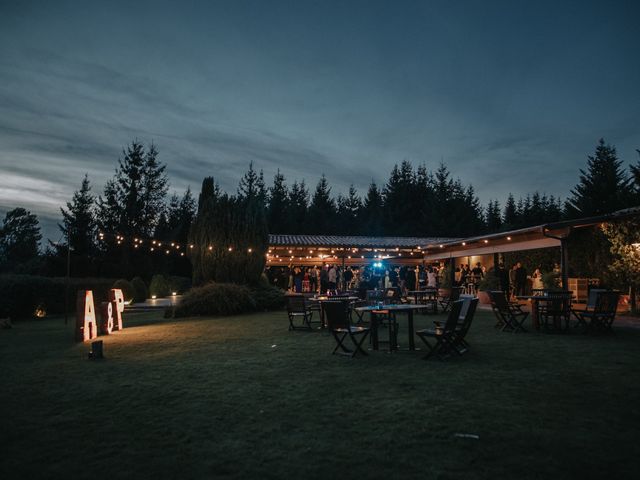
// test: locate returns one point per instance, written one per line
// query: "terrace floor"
(241, 397)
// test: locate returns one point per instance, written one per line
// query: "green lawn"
(241, 397)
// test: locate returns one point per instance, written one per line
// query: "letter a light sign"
(110, 314)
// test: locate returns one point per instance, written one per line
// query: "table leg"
(412, 345)
(374, 330)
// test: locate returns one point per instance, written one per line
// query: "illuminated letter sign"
(115, 296)
(86, 327)
(106, 314)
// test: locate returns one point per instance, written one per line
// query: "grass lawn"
(241, 397)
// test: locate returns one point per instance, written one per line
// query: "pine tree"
(348, 212)
(322, 208)
(372, 209)
(278, 205)
(635, 174)
(134, 199)
(603, 187)
(78, 220)
(510, 216)
(252, 186)
(297, 208)
(19, 238)
(494, 219)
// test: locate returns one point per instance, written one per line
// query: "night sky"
(511, 95)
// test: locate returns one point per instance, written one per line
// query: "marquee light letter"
(86, 327)
(116, 296)
(106, 314)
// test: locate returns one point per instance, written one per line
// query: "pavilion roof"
(354, 241)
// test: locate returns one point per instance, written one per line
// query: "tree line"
(414, 201)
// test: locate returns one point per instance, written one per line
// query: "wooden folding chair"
(444, 336)
(601, 318)
(339, 324)
(510, 316)
(447, 300)
(297, 309)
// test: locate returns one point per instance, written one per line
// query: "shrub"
(490, 281)
(159, 286)
(128, 291)
(267, 297)
(216, 299)
(141, 292)
(179, 284)
(20, 295)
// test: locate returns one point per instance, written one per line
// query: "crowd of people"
(301, 279)
(330, 277)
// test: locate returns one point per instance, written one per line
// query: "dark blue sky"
(511, 95)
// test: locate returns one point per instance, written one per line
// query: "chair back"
(466, 298)
(557, 303)
(593, 296)
(296, 304)
(468, 317)
(453, 318)
(392, 295)
(498, 300)
(455, 293)
(607, 302)
(336, 313)
(374, 296)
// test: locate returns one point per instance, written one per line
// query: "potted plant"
(489, 282)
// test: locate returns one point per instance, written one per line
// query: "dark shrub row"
(229, 299)
(20, 295)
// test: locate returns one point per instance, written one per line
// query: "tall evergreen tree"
(399, 213)
(348, 212)
(278, 205)
(297, 208)
(603, 187)
(635, 174)
(78, 220)
(510, 216)
(322, 209)
(252, 185)
(19, 238)
(494, 219)
(372, 210)
(230, 238)
(134, 199)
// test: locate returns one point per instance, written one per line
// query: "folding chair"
(467, 313)
(447, 300)
(554, 309)
(510, 316)
(339, 323)
(444, 336)
(297, 308)
(591, 304)
(603, 314)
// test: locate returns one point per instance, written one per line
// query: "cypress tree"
(78, 220)
(229, 237)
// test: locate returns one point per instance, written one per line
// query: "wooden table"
(406, 308)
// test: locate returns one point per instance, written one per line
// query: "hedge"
(20, 295)
(228, 299)
(141, 292)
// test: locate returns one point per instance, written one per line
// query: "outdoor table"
(325, 298)
(409, 309)
(427, 296)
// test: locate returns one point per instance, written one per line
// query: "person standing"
(503, 278)
(537, 279)
(431, 278)
(521, 279)
(348, 277)
(324, 279)
(332, 277)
